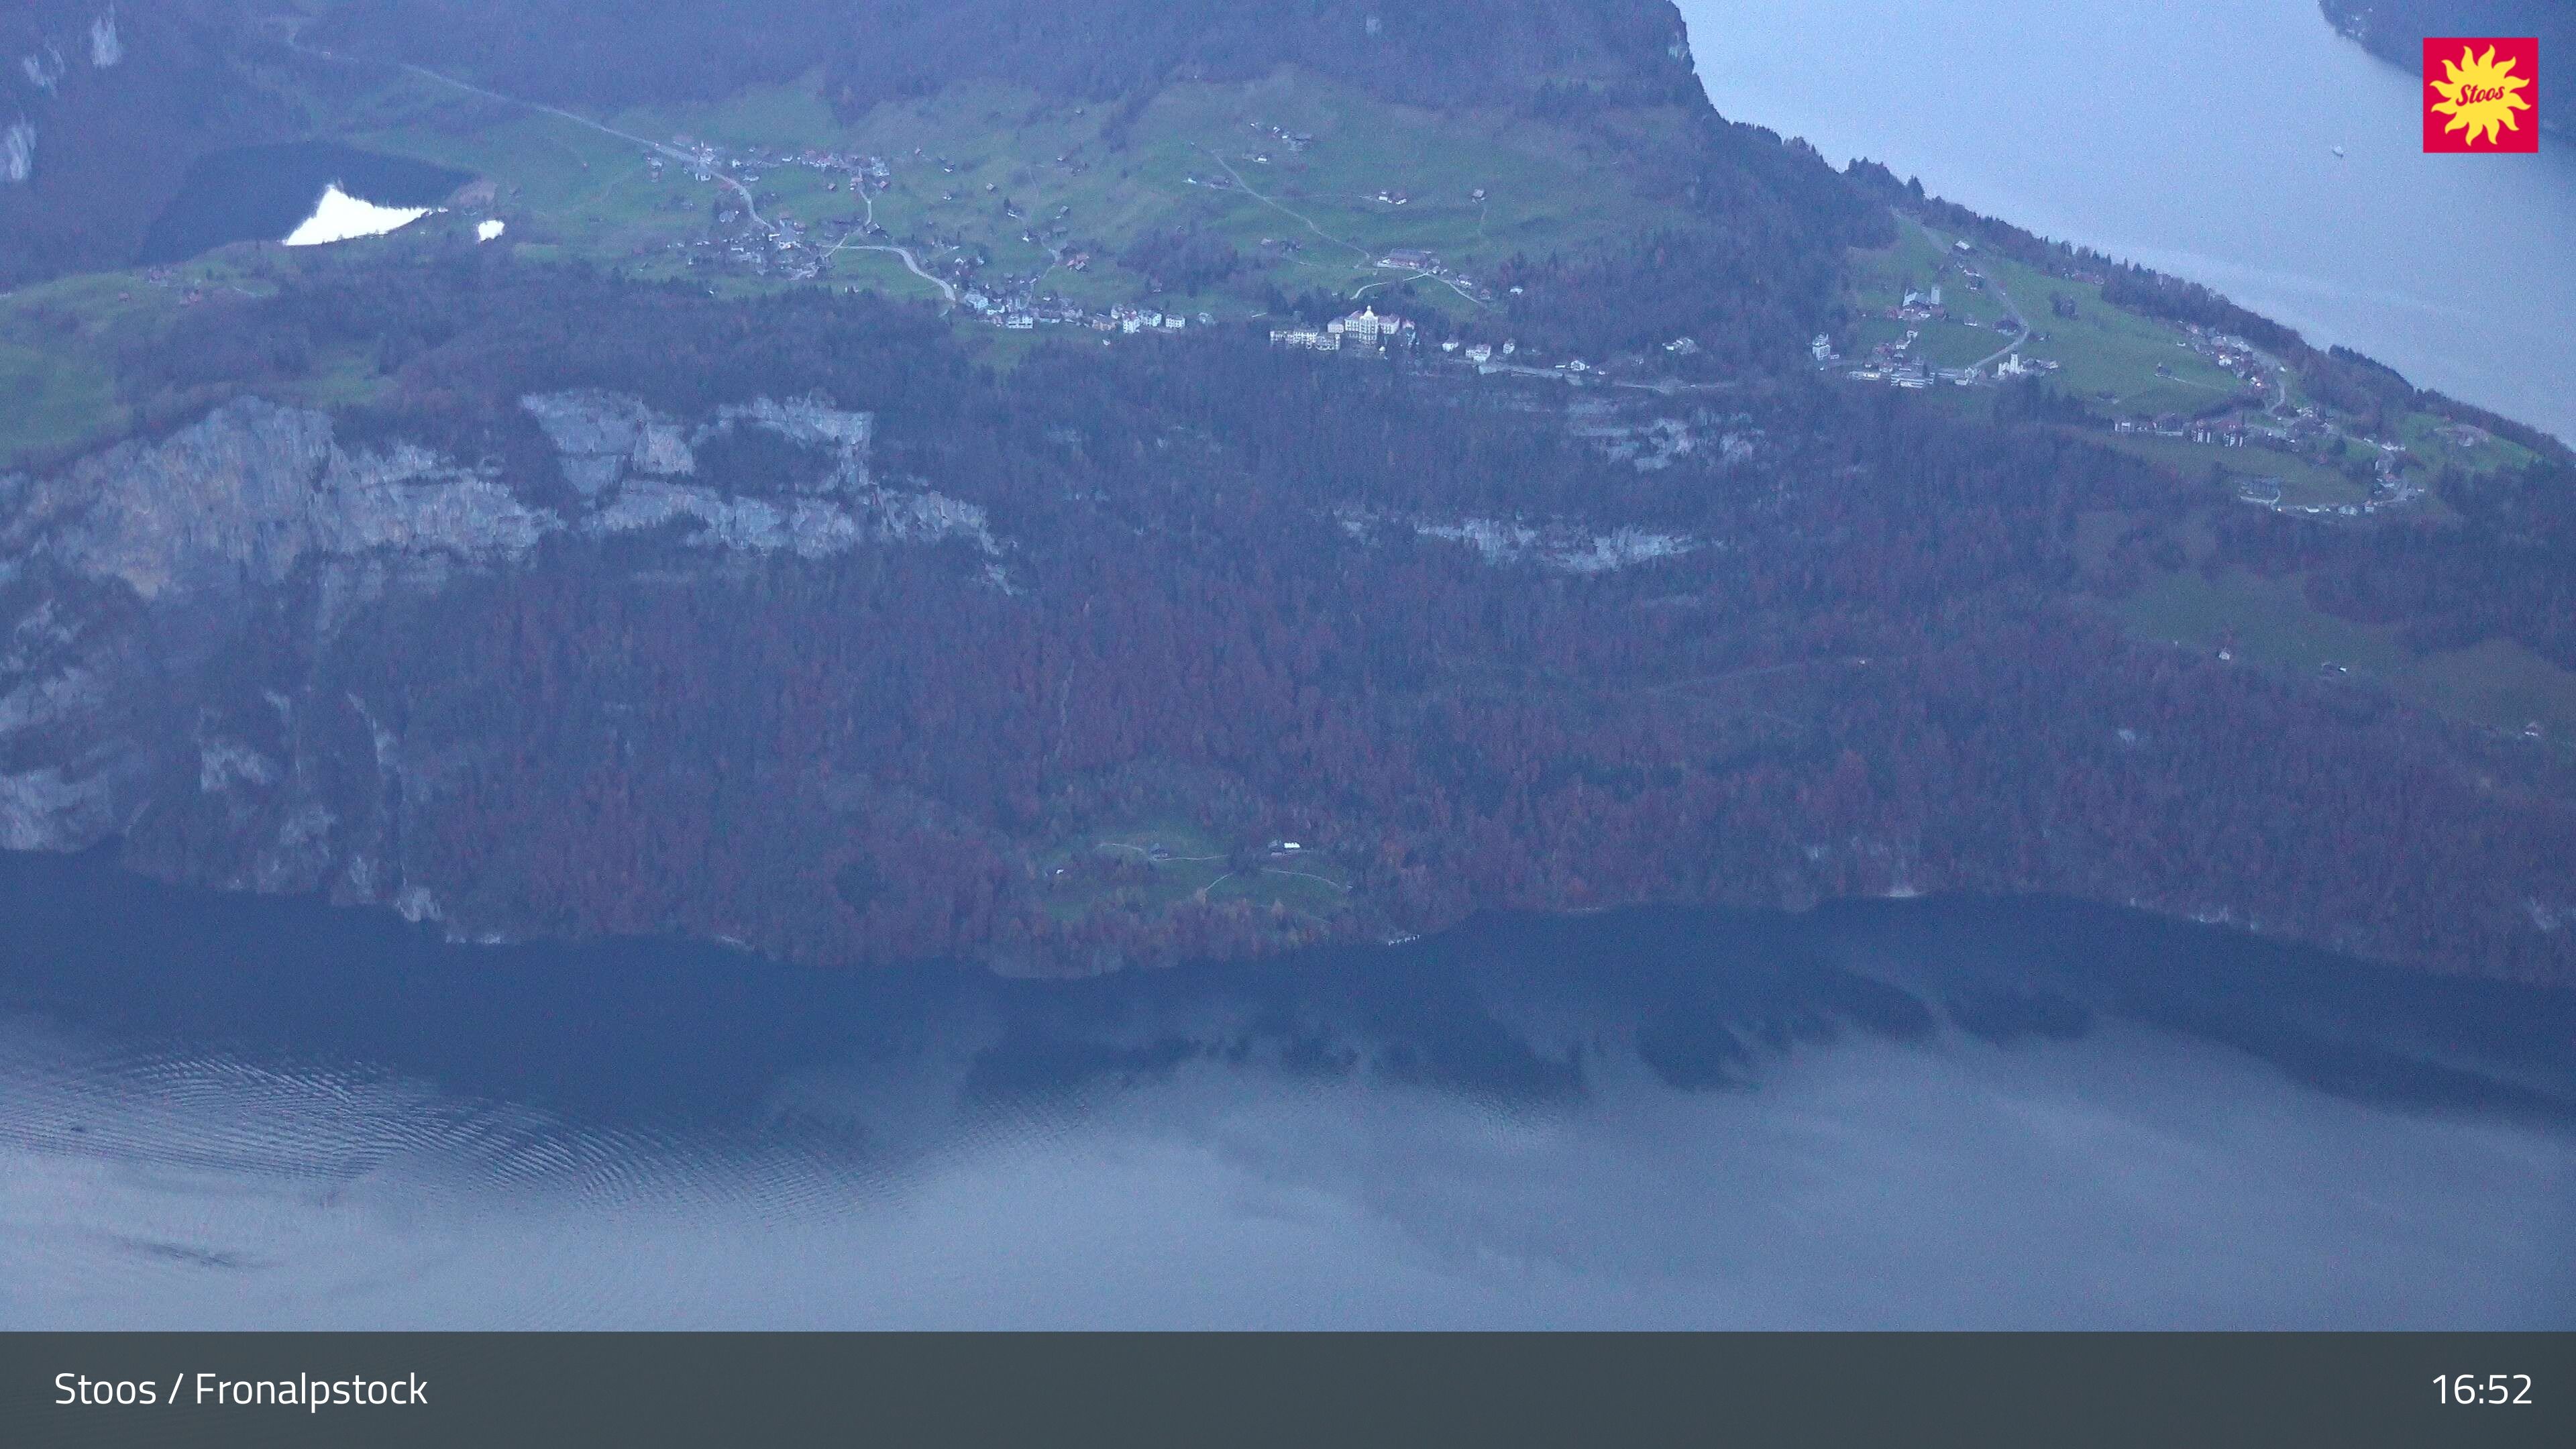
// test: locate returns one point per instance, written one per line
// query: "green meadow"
(2106, 355)
(1152, 868)
(1197, 157)
(2270, 624)
(2303, 483)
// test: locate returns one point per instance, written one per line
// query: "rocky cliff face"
(161, 604)
(250, 493)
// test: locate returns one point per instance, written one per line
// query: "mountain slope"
(635, 573)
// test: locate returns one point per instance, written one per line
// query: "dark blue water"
(222, 1111)
(260, 193)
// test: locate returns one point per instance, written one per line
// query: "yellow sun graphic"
(2478, 94)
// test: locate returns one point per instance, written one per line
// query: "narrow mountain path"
(2010, 310)
(1364, 253)
(912, 264)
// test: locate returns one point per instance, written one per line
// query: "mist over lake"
(249, 1113)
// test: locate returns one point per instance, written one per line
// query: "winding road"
(911, 263)
(293, 26)
(1365, 254)
(1995, 285)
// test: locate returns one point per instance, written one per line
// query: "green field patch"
(1310, 887)
(2438, 442)
(1917, 260)
(2269, 623)
(59, 345)
(2107, 356)
(1943, 344)
(51, 403)
(2105, 349)
(1154, 868)
(1373, 178)
(790, 116)
(339, 377)
(2303, 483)
(555, 181)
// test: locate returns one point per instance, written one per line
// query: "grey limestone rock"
(130, 580)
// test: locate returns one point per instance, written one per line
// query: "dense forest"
(1875, 668)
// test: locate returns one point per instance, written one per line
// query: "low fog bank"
(2127, 1179)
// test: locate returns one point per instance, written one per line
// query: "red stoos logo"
(2481, 93)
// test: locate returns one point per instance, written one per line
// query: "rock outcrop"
(639, 469)
(141, 589)
(252, 491)
(1561, 546)
(601, 436)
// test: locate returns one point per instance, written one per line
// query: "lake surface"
(2196, 138)
(268, 193)
(229, 1112)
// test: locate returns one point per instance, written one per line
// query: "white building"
(1368, 328)
(1306, 337)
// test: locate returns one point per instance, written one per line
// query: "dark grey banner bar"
(2462, 1390)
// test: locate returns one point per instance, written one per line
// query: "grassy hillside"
(2268, 623)
(1200, 157)
(2108, 356)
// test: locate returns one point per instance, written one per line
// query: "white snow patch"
(486, 230)
(338, 216)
